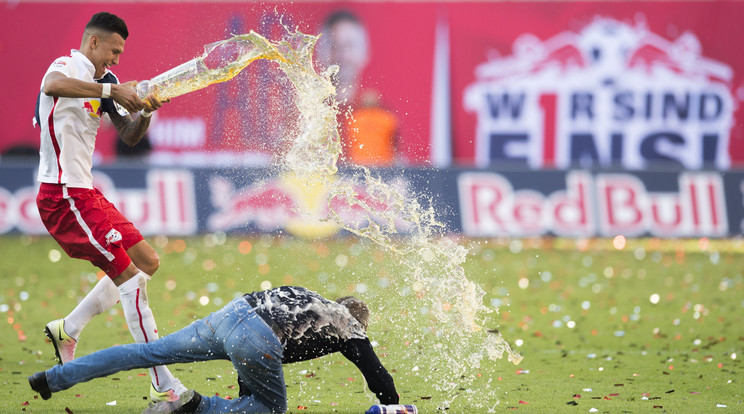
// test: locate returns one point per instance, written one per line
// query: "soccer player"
(257, 333)
(75, 93)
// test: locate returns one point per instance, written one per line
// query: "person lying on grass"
(257, 332)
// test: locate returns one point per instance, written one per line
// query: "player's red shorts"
(87, 226)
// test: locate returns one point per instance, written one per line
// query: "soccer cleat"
(170, 394)
(64, 344)
(38, 383)
(188, 402)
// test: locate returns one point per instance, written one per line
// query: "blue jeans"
(235, 333)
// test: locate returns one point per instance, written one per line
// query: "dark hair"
(357, 309)
(340, 16)
(108, 22)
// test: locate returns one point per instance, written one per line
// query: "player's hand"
(152, 103)
(126, 95)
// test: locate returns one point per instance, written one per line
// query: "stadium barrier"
(477, 203)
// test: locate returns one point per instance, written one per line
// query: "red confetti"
(523, 402)
(607, 398)
(24, 403)
(141, 374)
(614, 395)
(78, 395)
(227, 397)
(577, 396)
(301, 407)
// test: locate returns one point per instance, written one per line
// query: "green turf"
(580, 313)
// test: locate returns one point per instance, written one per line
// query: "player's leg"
(144, 257)
(189, 344)
(256, 354)
(60, 211)
(132, 287)
(101, 298)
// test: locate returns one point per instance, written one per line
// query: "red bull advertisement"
(600, 204)
(635, 86)
(612, 94)
(472, 202)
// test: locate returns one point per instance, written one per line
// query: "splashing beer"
(220, 62)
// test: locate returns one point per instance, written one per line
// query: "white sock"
(101, 298)
(142, 325)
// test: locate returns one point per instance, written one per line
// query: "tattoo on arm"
(130, 130)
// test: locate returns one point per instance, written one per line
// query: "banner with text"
(558, 85)
(478, 203)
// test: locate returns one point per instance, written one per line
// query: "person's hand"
(152, 103)
(126, 95)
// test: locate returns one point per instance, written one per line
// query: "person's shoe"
(64, 344)
(170, 394)
(186, 403)
(38, 383)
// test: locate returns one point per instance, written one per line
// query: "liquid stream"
(429, 264)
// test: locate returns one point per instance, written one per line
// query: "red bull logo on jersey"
(93, 107)
(613, 94)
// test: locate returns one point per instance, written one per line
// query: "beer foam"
(430, 273)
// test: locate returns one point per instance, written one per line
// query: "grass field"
(644, 326)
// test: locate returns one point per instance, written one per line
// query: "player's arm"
(58, 84)
(379, 381)
(132, 129)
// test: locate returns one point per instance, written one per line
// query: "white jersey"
(69, 127)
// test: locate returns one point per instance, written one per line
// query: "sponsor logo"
(113, 237)
(603, 204)
(610, 95)
(301, 207)
(93, 108)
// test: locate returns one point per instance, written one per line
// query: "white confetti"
(111, 402)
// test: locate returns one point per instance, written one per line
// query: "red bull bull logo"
(93, 107)
(301, 207)
(611, 95)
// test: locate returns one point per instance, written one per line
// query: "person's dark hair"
(357, 309)
(108, 22)
(340, 16)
